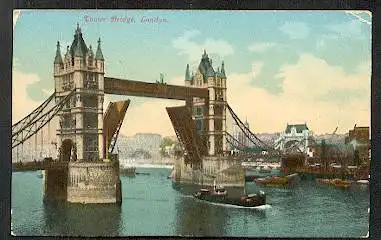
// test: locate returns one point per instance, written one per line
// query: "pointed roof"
(298, 127)
(90, 52)
(218, 72)
(223, 70)
(67, 54)
(99, 54)
(204, 56)
(210, 72)
(187, 75)
(192, 78)
(205, 66)
(78, 47)
(58, 58)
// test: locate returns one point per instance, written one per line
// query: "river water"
(152, 207)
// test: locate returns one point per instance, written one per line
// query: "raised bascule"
(86, 171)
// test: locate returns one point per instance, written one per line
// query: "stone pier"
(55, 182)
(226, 171)
(84, 182)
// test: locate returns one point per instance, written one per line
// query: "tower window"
(90, 61)
(90, 120)
(90, 101)
(89, 81)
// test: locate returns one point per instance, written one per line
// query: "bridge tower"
(210, 120)
(81, 175)
(80, 121)
(210, 116)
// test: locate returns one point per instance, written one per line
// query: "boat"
(341, 185)
(272, 181)
(142, 173)
(279, 181)
(335, 182)
(364, 182)
(265, 169)
(220, 195)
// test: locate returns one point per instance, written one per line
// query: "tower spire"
(223, 70)
(78, 48)
(58, 58)
(204, 56)
(99, 54)
(187, 75)
(90, 51)
(78, 29)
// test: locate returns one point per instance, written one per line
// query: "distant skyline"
(282, 66)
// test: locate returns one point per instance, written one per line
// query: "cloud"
(22, 105)
(151, 116)
(260, 47)
(256, 68)
(193, 50)
(321, 43)
(312, 81)
(350, 29)
(303, 84)
(15, 63)
(295, 30)
(48, 92)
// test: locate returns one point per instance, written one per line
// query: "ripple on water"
(151, 206)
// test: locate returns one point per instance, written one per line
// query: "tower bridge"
(84, 171)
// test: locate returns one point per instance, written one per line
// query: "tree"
(167, 142)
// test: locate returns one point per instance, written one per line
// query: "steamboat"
(220, 195)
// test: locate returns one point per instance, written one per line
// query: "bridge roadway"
(34, 166)
(157, 90)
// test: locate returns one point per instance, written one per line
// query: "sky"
(283, 67)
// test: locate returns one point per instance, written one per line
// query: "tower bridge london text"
(124, 19)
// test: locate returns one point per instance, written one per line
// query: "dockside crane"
(333, 134)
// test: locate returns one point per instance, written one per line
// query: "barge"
(278, 181)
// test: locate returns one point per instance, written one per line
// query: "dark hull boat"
(219, 195)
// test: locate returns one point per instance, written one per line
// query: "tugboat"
(220, 195)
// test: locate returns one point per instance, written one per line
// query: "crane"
(333, 134)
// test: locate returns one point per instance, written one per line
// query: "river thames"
(152, 207)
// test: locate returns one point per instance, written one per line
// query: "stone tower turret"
(80, 127)
(210, 116)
